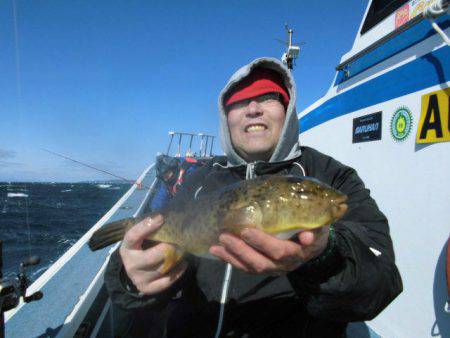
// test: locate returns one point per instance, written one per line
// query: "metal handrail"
(206, 141)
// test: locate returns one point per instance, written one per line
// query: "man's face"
(255, 126)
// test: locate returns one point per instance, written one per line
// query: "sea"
(46, 219)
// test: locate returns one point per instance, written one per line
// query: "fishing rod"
(12, 289)
(139, 185)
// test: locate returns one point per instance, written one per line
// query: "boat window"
(379, 10)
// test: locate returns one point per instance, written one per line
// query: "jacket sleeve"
(122, 290)
(161, 196)
(357, 277)
(137, 315)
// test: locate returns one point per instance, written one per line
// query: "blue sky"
(104, 81)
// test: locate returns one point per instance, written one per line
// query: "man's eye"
(239, 104)
(267, 98)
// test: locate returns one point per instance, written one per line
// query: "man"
(170, 172)
(309, 286)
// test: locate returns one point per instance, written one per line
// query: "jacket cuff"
(128, 286)
(123, 292)
(318, 270)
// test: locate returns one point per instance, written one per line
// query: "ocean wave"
(104, 186)
(69, 241)
(67, 190)
(16, 194)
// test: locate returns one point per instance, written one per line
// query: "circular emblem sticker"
(401, 124)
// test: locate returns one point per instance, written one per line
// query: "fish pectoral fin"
(238, 205)
(237, 219)
(172, 256)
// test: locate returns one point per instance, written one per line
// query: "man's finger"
(309, 237)
(306, 238)
(256, 261)
(165, 281)
(223, 254)
(150, 258)
(270, 246)
(139, 232)
(162, 257)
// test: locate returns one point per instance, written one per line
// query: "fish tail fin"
(110, 233)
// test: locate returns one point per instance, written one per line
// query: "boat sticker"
(411, 10)
(434, 123)
(367, 128)
(402, 16)
(401, 123)
(418, 6)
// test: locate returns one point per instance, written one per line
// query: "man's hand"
(259, 253)
(144, 267)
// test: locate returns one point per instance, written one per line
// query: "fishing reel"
(11, 289)
(14, 288)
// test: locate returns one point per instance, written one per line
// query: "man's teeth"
(256, 128)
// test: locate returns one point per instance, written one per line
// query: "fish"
(278, 205)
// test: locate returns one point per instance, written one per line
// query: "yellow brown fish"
(278, 205)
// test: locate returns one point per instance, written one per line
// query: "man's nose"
(253, 108)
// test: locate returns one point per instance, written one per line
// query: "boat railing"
(187, 142)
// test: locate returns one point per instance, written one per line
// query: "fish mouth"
(339, 199)
(340, 207)
(254, 127)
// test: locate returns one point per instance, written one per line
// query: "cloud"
(8, 164)
(7, 154)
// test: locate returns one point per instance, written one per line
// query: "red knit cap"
(260, 81)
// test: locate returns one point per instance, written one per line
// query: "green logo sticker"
(401, 124)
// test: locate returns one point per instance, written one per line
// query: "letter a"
(432, 110)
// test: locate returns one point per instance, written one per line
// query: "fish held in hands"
(277, 205)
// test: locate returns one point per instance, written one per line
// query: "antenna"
(292, 50)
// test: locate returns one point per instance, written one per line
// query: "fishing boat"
(386, 114)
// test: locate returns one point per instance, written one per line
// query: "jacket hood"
(288, 146)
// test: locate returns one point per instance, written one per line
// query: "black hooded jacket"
(354, 281)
